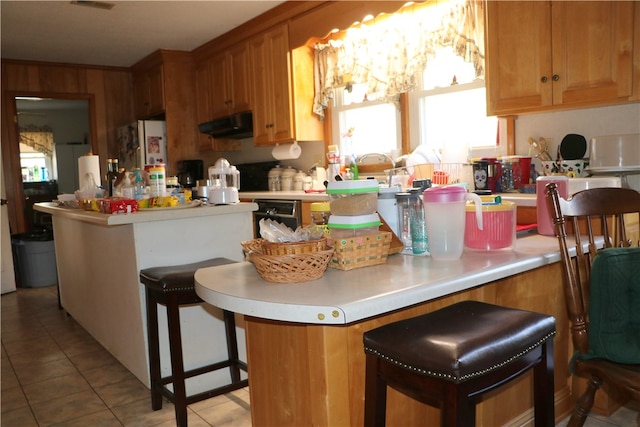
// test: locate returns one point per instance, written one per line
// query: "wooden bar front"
(303, 375)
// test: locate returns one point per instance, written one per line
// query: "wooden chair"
(606, 210)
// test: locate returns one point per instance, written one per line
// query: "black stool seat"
(468, 349)
(173, 287)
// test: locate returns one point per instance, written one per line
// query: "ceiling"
(58, 31)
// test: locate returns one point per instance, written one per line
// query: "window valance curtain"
(390, 54)
(38, 138)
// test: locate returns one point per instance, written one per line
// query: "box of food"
(118, 205)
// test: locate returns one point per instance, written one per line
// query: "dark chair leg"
(585, 403)
(458, 409)
(232, 344)
(375, 394)
(177, 363)
(543, 387)
(154, 351)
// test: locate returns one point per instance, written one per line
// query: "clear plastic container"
(353, 197)
(320, 213)
(344, 226)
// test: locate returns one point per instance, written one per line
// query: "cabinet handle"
(544, 79)
(556, 77)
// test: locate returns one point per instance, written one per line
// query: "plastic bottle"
(419, 240)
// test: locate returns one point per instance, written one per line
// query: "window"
(451, 109)
(364, 125)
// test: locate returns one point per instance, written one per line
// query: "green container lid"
(352, 222)
(353, 187)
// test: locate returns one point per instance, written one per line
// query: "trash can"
(35, 259)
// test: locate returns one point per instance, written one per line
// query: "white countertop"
(342, 297)
(147, 215)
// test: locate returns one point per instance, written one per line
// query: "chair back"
(586, 223)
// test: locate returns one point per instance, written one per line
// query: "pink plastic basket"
(499, 227)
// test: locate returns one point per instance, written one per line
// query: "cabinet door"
(149, 92)
(518, 52)
(238, 78)
(220, 100)
(592, 51)
(261, 91)
(282, 111)
(203, 102)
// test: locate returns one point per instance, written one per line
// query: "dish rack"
(438, 173)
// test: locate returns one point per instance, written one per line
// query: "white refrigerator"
(142, 143)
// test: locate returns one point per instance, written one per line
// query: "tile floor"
(55, 374)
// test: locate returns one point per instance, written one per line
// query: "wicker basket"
(361, 251)
(291, 268)
(287, 268)
(294, 248)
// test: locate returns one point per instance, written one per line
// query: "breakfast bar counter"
(99, 258)
(304, 340)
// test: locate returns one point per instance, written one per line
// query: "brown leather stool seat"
(451, 357)
(173, 287)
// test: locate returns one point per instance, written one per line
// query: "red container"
(543, 217)
(498, 226)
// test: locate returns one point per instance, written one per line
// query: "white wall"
(589, 122)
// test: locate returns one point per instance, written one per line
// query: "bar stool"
(451, 357)
(173, 287)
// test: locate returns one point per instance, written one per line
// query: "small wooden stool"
(451, 357)
(172, 287)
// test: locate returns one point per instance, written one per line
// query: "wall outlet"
(318, 160)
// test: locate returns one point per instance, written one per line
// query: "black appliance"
(236, 126)
(287, 212)
(189, 172)
(255, 176)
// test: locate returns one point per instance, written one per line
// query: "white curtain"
(38, 138)
(389, 53)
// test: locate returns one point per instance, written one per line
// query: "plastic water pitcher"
(445, 216)
(543, 217)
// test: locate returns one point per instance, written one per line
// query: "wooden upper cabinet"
(272, 113)
(203, 102)
(547, 55)
(230, 88)
(149, 91)
(282, 90)
(167, 80)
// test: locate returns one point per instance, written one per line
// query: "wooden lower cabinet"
(303, 375)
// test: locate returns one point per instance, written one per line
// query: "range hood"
(236, 126)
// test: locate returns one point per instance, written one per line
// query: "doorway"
(71, 121)
(53, 133)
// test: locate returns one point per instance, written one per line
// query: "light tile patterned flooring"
(55, 374)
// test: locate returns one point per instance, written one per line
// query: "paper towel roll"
(89, 164)
(286, 151)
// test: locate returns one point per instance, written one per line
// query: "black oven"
(288, 212)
